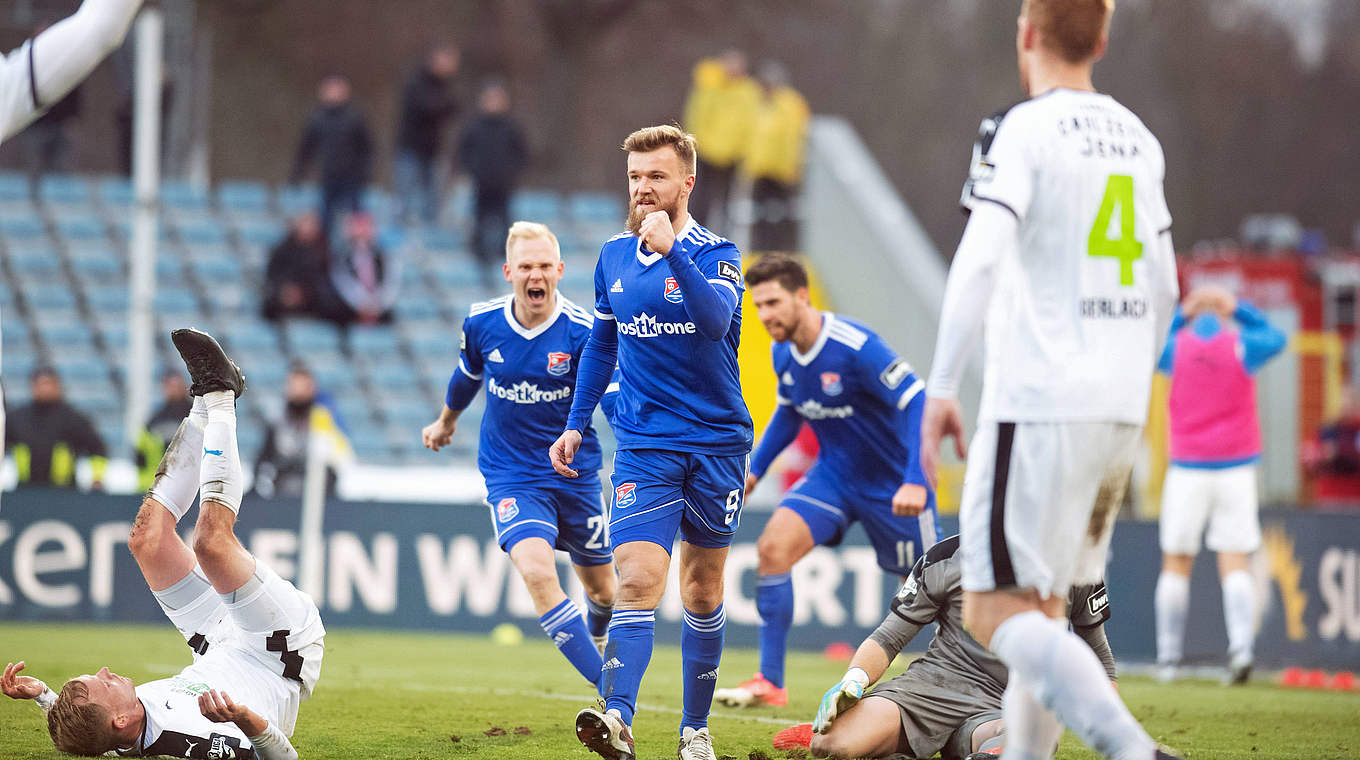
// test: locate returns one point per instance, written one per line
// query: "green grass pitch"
(402, 695)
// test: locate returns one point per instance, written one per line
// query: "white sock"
(1172, 601)
(1239, 615)
(1032, 730)
(220, 474)
(176, 482)
(1065, 676)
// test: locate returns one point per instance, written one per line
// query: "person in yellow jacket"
(720, 112)
(48, 434)
(175, 406)
(774, 160)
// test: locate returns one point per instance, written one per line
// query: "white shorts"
(1039, 502)
(278, 626)
(1225, 499)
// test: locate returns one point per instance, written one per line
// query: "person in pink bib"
(1217, 344)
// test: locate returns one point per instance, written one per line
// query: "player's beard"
(636, 215)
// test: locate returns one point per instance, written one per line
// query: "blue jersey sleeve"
(467, 378)
(782, 430)
(602, 307)
(1261, 340)
(893, 381)
(610, 400)
(597, 365)
(1168, 357)
(711, 282)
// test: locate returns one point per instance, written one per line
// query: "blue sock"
(774, 602)
(701, 645)
(565, 626)
(631, 634)
(597, 617)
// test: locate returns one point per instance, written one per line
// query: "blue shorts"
(829, 509)
(569, 517)
(658, 494)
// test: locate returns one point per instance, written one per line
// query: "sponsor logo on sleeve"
(895, 374)
(506, 509)
(730, 271)
(559, 363)
(672, 292)
(625, 495)
(831, 383)
(1098, 601)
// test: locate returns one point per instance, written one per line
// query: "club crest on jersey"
(625, 495)
(831, 383)
(506, 509)
(673, 293)
(559, 363)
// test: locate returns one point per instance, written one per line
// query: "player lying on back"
(668, 311)
(949, 699)
(257, 640)
(864, 403)
(45, 68)
(527, 347)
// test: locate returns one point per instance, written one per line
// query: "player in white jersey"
(38, 73)
(257, 640)
(1067, 258)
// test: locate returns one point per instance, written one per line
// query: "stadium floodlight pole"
(139, 370)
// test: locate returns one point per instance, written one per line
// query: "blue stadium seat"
(115, 191)
(217, 271)
(295, 200)
(204, 231)
(376, 343)
(390, 379)
(18, 365)
(536, 206)
(264, 371)
(260, 233)
(431, 344)
(84, 227)
(337, 377)
(100, 263)
(370, 446)
(309, 335)
(236, 196)
(90, 368)
(50, 297)
(441, 239)
(251, 337)
(233, 299)
(182, 195)
(25, 228)
(13, 187)
(64, 189)
(114, 334)
(34, 263)
(107, 300)
(74, 334)
(176, 305)
(13, 331)
(417, 310)
(597, 207)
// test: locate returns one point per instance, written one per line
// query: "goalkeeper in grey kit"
(949, 699)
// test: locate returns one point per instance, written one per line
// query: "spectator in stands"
(427, 104)
(774, 160)
(175, 406)
(1333, 458)
(47, 435)
(365, 277)
(337, 136)
(720, 112)
(281, 468)
(493, 151)
(296, 281)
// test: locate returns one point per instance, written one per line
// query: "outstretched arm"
(39, 73)
(16, 686)
(783, 428)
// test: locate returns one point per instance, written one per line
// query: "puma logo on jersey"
(496, 356)
(189, 748)
(617, 287)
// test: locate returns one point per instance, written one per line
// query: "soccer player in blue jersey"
(864, 403)
(668, 309)
(527, 347)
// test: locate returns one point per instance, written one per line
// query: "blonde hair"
(648, 139)
(77, 725)
(1071, 28)
(522, 230)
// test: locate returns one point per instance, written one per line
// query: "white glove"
(840, 698)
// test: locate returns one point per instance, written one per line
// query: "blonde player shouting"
(1067, 258)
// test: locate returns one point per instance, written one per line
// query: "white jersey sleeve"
(42, 70)
(1001, 173)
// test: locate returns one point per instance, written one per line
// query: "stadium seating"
(64, 299)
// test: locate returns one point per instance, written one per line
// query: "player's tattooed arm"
(16, 686)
